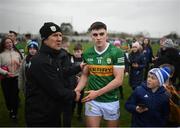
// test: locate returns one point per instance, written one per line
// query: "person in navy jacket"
(137, 62)
(149, 103)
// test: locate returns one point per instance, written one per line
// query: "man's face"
(99, 36)
(54, 41)
(12, 36)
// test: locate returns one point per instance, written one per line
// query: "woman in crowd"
(11, 59)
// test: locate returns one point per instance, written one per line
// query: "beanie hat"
(32, 44)
(49, 28)
(117, 43)
(136, 44)
(162, 74)
(168, 43)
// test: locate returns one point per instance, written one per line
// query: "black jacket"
(45, 90)
(170, 56)
(70, 69)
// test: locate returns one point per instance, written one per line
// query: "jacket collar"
(45, 49)
(159, 90)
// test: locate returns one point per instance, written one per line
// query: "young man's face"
(152, 81)
(54, 41)
(99, 36)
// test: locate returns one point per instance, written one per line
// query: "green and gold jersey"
(101, 70)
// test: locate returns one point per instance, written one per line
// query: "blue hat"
(32, 44)
(162, 74)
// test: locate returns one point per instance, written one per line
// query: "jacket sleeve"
(130, 104)
(142, 61)
(48, 79)
(72, 70)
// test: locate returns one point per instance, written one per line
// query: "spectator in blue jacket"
(149, 103)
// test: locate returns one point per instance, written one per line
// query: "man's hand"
(91, 95)
(82, 65)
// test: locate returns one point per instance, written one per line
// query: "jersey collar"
(101, 51)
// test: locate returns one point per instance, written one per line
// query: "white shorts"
(109, 110)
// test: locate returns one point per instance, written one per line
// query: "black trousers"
(11, 93)
(67, 114)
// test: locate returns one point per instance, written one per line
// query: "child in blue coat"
(149, 103)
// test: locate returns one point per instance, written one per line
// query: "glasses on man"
(96, 34)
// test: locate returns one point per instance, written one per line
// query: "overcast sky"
(158, 17)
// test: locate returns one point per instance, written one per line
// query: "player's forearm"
(82, 83)
(112, 85)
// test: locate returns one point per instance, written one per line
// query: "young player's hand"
(78, 94)
(91, 95)
(140, 109)
(78, 79)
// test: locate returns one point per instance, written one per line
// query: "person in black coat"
(45, 90)
(168, 54)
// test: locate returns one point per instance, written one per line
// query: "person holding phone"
(149, 103)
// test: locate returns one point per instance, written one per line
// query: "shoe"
(12, 115)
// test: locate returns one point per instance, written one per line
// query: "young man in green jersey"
(102, 75)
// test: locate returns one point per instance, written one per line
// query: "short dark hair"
(28, 35)
(15, 33)
(97, 25)
(78, 46)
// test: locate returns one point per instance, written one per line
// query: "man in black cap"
(45, 90)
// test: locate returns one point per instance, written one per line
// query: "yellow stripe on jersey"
(101, 70)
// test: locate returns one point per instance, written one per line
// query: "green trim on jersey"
(101, 70)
